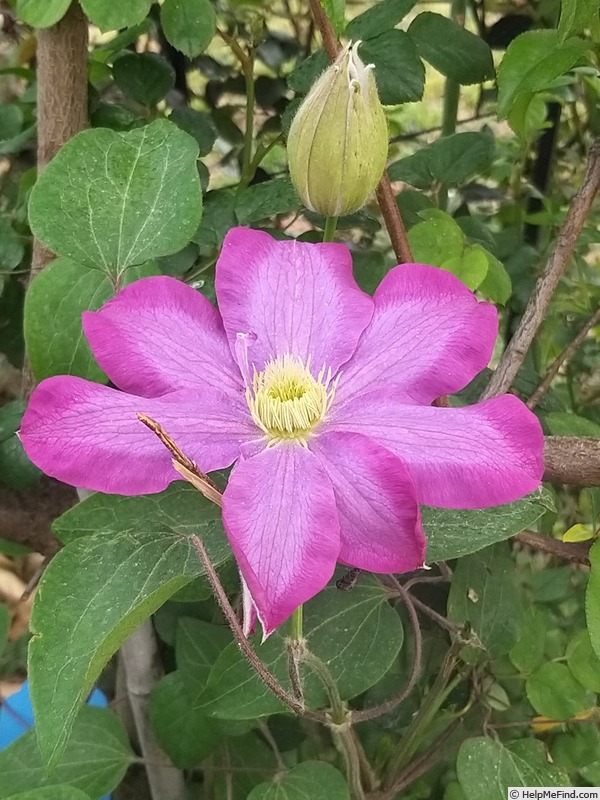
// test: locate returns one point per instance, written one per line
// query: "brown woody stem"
(62, 107)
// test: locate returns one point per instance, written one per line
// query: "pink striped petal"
(279, 514)
(296, 298)
(429, 336)
(380, 522)
(88, 435)
(472, 457)
(159, 335)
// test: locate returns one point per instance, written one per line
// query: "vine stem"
(442, 687)
(329, 229)
(188, 469)
(296, 625)
(265, 675)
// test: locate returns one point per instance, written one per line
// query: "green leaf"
(470, 267)
(63, 792)
(145, 77)
(583, 662)
(336, 12)
(553, 691)
(532, 62)
(576, 16)
(528, 652)
(484, 593)
(450, 160)
(307, 72)
(179, 510)
(189, 25)
(115, 580)
(11, 246)
(592, 599)
(453, 533)
(369, 268)
(577, 749)
(454, 51)
(410, 204)
(42, 13)
(356, 661)
(436, 239)
(16, 470)
(497, 285)
(381, 17)
(54, 303)
(186, 735)
(310, 780)
(399, 72)
(528, 115)
(218, 217)
(110, 200)
(487, 768)
(266, 199)
(563, 423)
(95, 761)
(198, 645)
(111, 16)
(198, 124)
(240, 764)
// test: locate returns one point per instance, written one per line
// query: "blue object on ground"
(16, 715)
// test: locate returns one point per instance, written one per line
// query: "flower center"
(286, 401)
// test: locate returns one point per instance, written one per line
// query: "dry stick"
(563, 358)
(188, 469)
(143, 668)
(539, 301)
(62, 106)
(385, 194)
(267, 677)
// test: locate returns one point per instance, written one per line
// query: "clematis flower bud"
(338, 140)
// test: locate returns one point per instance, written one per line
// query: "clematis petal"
(159, 335)
(296, 298)
(280, 516)
(88, 435)
(380, 522)
(471, 457)
(429, 336)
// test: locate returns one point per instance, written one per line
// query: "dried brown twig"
(188, 469)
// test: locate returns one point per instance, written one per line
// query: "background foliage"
(491, 110)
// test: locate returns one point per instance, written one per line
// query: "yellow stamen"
(286, 401)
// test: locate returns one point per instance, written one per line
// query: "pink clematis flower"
(320, 395)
